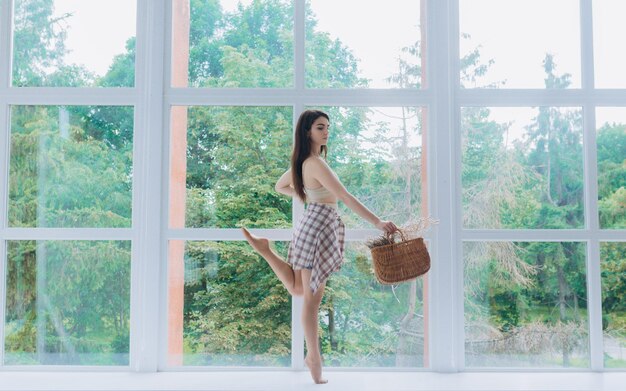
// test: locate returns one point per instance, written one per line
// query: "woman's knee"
(297, 291)
(313, 299)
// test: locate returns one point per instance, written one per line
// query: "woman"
(316, 249)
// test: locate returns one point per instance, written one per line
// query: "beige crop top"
(320, 194)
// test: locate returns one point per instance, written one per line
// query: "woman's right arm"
(284, 184)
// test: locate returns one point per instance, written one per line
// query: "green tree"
(63, 178)
(69, 167)
(39, 41)
(611, 143)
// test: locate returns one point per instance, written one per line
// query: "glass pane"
(525, 304)
(226, 306)
(611, 141)
(613, 264)
(609, 31)
(522, 167)
(71, 166)
(520, 44)
(70, 43)
(67, 303)
(366, 324)
(225, 162)
(377, 154)
(232, 43)
(353, 43)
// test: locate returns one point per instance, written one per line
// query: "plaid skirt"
(318, 243)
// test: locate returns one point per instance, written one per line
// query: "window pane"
(525, 304)
(70, 43)
(522, 167)
(361, 44)
(232, 43)
(609, 31)
(613, 257)
(225, 162)
(67, 303)
(71, 166)
(226, 306)
(611, 141)
(519, 44)
(377, 154)
(366, 324)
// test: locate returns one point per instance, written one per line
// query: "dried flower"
(382, 240)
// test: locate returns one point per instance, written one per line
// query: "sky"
(517, 40)
(519, 37)
(376, 35)
(609, 33)
(84, 36)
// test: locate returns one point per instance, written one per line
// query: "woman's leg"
(291, 279)
(310, 323)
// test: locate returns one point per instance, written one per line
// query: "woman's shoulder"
(315, 163)
(315, 160)
(318, 167)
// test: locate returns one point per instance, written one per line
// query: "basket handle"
(400, 231)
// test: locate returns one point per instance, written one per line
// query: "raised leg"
(291, 279)
(310, 324)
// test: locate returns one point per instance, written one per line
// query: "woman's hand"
(387, 226)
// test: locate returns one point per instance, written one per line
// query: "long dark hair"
(302, 148)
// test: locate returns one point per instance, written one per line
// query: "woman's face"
(319, 131)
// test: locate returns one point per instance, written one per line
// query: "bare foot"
(315, 367)
(261, 245)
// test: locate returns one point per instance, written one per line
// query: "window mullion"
(594, 291)
(594, 297)
(5, 67)
(444, 309)
(297, 332)
(288, 97)
(71, 96)
(586, 50)
(147, 187)
(454, 113)
(165, 236)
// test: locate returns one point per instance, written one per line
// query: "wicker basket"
(402, 261)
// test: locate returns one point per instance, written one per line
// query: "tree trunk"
(541, 275)
(562, 305)
(549, 169)
(342, 339)
(331, 325)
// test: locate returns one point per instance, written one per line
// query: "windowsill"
(298, 380)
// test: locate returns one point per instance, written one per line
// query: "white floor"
(344, 381)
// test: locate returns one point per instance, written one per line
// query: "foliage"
(613, 280)
(77, 304)
(611, 143)
(545, 192)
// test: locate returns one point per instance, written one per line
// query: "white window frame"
(152, 97)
